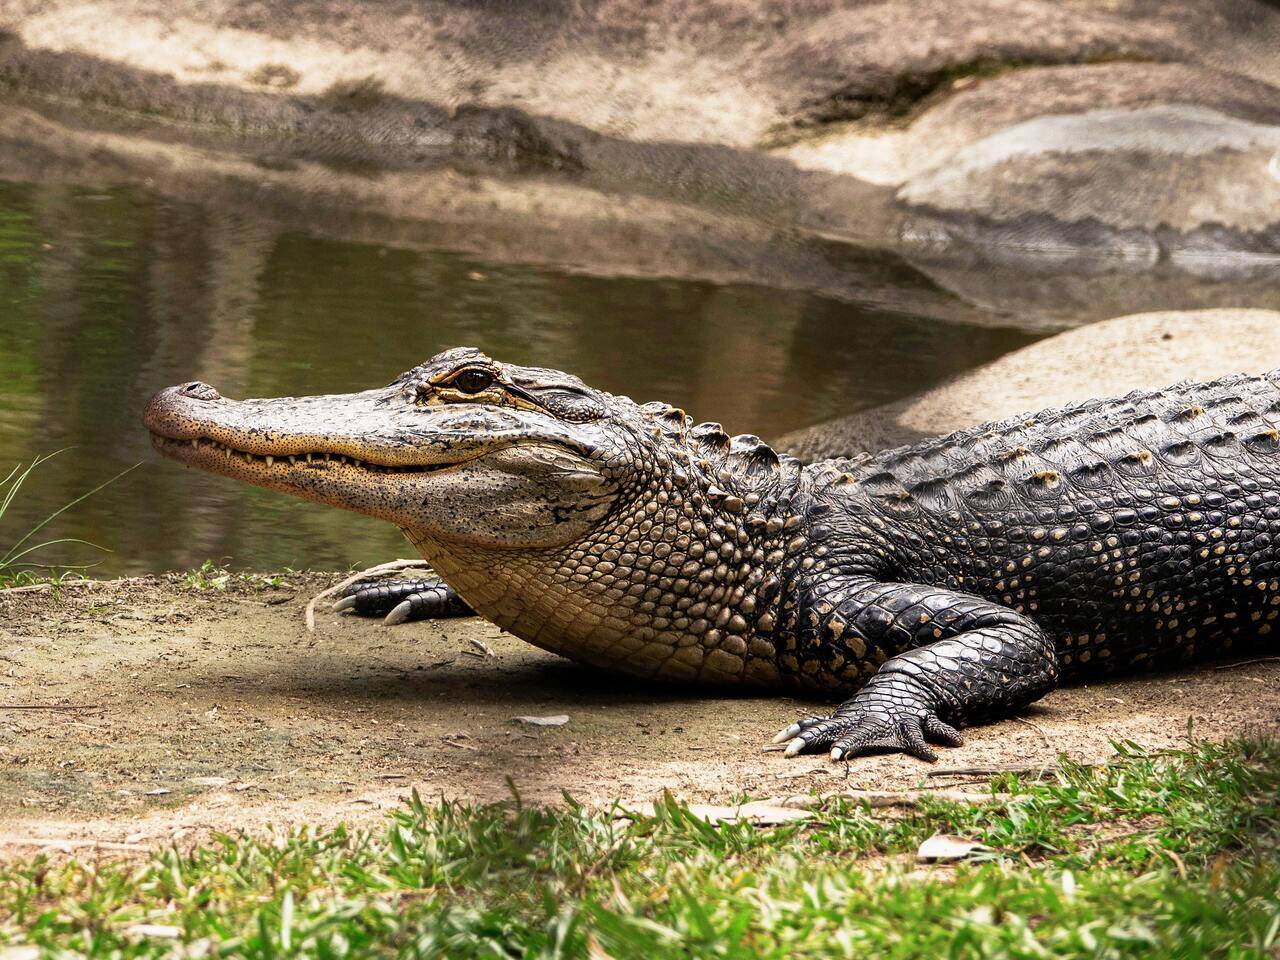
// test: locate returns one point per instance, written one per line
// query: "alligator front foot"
(894, 715)
(399, 601)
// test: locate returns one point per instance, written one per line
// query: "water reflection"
(110, 293)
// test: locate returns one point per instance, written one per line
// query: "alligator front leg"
(959, 659)
(398, 601)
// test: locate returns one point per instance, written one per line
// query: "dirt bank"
(171, 710)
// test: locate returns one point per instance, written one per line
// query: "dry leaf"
(556, 720)
(159, 931)
(945, 846)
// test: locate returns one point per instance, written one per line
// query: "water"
(108, 293)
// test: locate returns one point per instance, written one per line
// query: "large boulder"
(696, 71)
(1168, 180)
(1137, 126)
(1104, 359)
(1152, 161)
(990, 99)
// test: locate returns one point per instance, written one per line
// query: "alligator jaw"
(462, 471)
(217, 457)
(344, 449)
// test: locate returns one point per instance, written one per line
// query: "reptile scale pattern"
(936, 585)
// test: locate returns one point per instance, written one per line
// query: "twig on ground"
(69, 843)
(1044, 736)
(355, 578)
(50, 706)
(986, 771)
(460, 745)
(1246, 663)
(67, 584)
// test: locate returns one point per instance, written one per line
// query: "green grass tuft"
(1172, 854)
(16, 566)
(212, 575)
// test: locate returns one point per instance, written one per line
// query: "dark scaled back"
(1093, 445)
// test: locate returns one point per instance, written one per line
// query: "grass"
(16, 566)
(211, 575)
(1173, 854)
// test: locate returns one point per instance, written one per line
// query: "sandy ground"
(171, 712)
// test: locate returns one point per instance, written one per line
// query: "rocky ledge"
(1145, 131)
(1144, 351)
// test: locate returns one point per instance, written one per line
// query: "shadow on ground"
(167, 711)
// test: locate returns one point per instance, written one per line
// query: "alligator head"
(459, 449)
(588, 524)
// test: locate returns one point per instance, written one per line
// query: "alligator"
(937, 585)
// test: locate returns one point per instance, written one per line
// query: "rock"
(1052, 295)
(1170, 179)
(976, 106)
(1029, 123)
(1108, 358)
(857, 62)
(711, 71)
(153, 931)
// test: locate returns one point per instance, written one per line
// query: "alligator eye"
(472, 381)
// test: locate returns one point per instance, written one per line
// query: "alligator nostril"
(199, 391)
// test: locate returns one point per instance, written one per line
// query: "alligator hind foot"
(399, 601)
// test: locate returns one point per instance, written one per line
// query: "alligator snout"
(171, 412)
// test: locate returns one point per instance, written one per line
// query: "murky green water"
(108, 293)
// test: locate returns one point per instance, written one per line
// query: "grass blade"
(61, 510)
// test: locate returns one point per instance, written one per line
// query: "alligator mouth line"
(179, 449)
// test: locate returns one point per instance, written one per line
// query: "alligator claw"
(399, 601)
(399, 614)
(784, 735)
(847, 734)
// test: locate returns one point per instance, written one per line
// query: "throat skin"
(672, 588)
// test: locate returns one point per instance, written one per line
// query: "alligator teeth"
(270, 458)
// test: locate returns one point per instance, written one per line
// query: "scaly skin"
(937, 585)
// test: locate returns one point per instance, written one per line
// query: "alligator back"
(1138, 528)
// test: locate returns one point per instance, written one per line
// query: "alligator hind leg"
(963, 660)
(399, 601)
